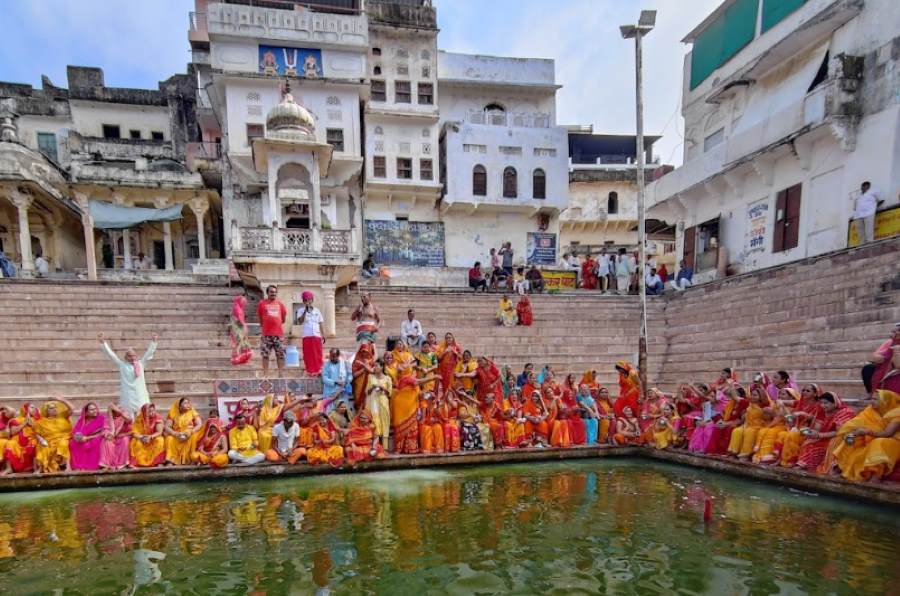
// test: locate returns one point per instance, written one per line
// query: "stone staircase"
(820, 319)
(49, 342)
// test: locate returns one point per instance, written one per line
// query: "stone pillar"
(167, 245)
(87, 223)
(22, 202)
(126, 249)
(200, 207)
(329, 311)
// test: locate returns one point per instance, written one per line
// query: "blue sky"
(139, 42)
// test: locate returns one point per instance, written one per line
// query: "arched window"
(479, 181)
(539, 184)
(612, 203)
(510, 183)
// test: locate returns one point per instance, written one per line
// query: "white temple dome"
(290, 116)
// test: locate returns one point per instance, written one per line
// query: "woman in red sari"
(823, 430)
(487, 379)
(523, 310)
(806, 413)
(537, 423)
(363, 364)
(629, 388)
(571, 412)
(731, 418)
(22, 444)
(449, 354)
(448, 412)
(588, 274)
(361, 443)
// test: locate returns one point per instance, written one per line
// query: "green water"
(618, 527)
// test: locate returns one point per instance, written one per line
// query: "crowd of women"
(441, 399)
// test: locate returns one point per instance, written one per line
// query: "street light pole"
(644, 26)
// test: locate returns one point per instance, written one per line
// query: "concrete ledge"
(886, 493)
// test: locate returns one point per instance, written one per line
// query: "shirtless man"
(367, 320)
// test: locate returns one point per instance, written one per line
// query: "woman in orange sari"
(559, 425)
(492, 416)
(404, 405)
(607, 413)
(362, 366)
(589, 378)
(629, 388)
(515, 421)
(22, 444)
(325, 449)
(449, 354)
(523, 309)
(448, 413)
(805, 414)
(431, 431)
(361, 442)
(773, 424)
(537, 425)
(211, 447)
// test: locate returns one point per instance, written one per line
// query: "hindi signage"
(540, 248)
(406, 243)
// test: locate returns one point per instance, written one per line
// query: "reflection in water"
(623, 527)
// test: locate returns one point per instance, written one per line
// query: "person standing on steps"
(311, 319)
(864, 209)
(272, 315)
(132, 378)
(367, 320)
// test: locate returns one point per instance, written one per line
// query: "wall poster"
(540, 248)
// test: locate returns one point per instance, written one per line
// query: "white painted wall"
(399, 137)
(243, 56)
(88, 118)
(469, 238)
(495, 69)
(29, 126)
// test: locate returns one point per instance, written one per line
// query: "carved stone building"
(66, 153)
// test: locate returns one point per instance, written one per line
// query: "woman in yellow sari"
(506, 312)
(764, 449)
(404, 404)
(426, 365)
(663, 429)
(743, 438)
(181, 424)
(868, 446)
(148, 447)
(465, 372)
(325, 449)
(269, 413)
(52, 433)
(378, 393)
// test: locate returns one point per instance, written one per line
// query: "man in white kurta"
(132, 375)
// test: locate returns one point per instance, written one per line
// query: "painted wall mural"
(278, 61)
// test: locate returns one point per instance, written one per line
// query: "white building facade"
(789, 106)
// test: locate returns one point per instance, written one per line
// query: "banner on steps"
(406, 243)
(230, 392)
(558, 279)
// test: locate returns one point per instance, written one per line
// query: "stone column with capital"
(126, 249)
(87, 223)
(22, 202)
(200, 207)
(162, 202)
(329, 311)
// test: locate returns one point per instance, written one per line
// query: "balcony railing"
(514, 119)
(295, 242)
(197, 21)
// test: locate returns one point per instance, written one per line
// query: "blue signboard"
(278, 61)
(540, 248)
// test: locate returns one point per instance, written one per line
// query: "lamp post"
(645, 24)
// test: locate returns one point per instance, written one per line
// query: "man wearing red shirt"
(272, 315)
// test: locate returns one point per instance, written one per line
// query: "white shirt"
(603, 264)
(42, 265)
(312, 324)
(867, 204)
(410, 328)
(285, 439)
(652, 280)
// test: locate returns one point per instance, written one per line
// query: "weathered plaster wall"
(89, 117)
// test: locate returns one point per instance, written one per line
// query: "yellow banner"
(558, 280)
(887, 225)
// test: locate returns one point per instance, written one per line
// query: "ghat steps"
(818, 318)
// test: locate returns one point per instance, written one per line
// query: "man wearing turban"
(311, 319)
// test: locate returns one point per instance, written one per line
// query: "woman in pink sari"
(87, 437)
(705, 427)
(116, 438)
(885, 375)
